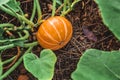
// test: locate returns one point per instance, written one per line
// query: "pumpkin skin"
(54, 33)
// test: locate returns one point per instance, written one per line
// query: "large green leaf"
(4, 2)
(110, 10)
(43, 67)
(98, 65)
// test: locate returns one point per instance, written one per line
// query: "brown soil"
(84, 16)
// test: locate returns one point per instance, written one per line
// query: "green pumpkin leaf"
(14, 5)
(59, 2)
(98, 65)
(19, 43)
(110, 10)
(3, 2)
(43, 67)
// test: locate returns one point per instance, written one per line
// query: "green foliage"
(100, 65)
(43, 67)
(14, 5)
(1, 68)
(1, 33)
(59, 2)
(3, 2)
(19, 43)
(110, 10)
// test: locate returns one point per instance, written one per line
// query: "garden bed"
(88, 32)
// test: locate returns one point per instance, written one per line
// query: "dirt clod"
(23, 77)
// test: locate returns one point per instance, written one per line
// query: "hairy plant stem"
(18, 28)
(71, 7)
(17, 39)
(15, 65)
(53, 8)
(38, 10)
(64, 7)
(7, 11)
(38, 23)
(13, 45)
(26, 20)
(33, 11)
(6, 25)
(7, 46)
(31, 44)
(8, 60)
(17, 16)
(8, 7)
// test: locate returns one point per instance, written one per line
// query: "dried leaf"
(89, 34)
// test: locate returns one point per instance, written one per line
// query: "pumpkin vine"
(53, 33)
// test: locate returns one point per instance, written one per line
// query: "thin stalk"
(59, 8)
(38, 23)
(31, 44)
(19, 8)
(10, 34)
(6, 25)
(71, 7)
(13, 62)
(8, 7)
(7, 11)
(26, 20)
(69, 2)
(22, 38)
(18, 15)
(14, 28)
(21, 11)
(8, 60)
(33, 12)
(53, 8)
(64, 7)
(18, 28)
(23, 23)
(13, 45)
(19, 34)
(15, 65)
(1, 65)
(7, 47)
(39, 10)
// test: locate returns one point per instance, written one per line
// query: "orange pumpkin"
(54, 33)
